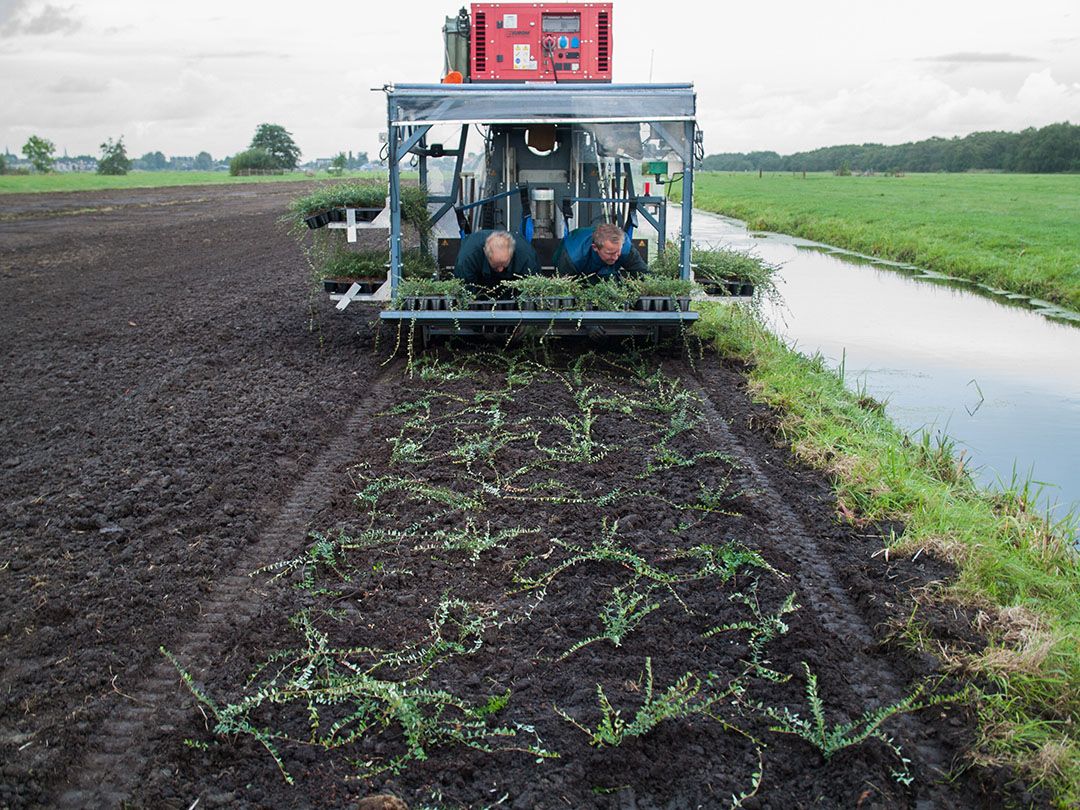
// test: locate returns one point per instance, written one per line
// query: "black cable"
(550, 53)
(669, 183)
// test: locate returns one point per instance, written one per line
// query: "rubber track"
(118, 753)
(815, 575)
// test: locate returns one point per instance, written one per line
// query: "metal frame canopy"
(418, 104)
(413, 109)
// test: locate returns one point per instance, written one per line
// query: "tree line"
(272, 149)
(1051, 149)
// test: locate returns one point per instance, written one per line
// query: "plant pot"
(336, 286)
(367, 214)
(548, 303)
(427, 303)
(341, 285)
(682, 303)
(490, 305)
(319, 220)
(747, 289)
(336, 215)
(716, 286)
(558, 302)
(655, 303)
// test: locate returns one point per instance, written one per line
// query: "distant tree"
(727, 162)
(3, 165)
(114, 159)
(203, 162)
(357, 161)
(1054, 148)
(153, 161)
(257, 159)
(39, 151)
(279, 143)
(338, 164)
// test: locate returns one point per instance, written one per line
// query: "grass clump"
(344, 194)
(415, 264)
(714, 263)
(454, 289)
(831, 739)
(687, 696)
(763, 629)
(355, 264)
(414, 211)
(609, 295)
(545, 287)
(473, 540)
(663, 287)
(620, 615)
(723, 264)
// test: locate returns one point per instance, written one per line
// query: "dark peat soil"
(180, 411)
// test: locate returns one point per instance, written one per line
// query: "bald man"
(488, 258)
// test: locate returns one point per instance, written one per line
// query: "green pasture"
(84, 181)
(1012, 231)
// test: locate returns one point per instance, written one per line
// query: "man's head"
(499, 250)
(607, 241)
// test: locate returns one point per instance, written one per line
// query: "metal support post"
(395, 155)
(455, 187)
(687, 201)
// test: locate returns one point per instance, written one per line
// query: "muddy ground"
(180, 411)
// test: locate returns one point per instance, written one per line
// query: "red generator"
(540, 42)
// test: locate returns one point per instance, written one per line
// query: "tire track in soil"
(838, 614)
(117, 754)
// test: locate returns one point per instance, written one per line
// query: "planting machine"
(557, 146)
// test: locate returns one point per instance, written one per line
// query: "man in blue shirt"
(598, 253)
(488, 258)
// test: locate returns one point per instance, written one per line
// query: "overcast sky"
(195, 75)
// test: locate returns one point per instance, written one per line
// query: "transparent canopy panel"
(512, 104)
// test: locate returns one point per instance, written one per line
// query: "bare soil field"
(440, 585)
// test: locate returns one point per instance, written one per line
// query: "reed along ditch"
(577, 575)
(996, 373)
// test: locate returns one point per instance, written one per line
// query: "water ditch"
(997, 373)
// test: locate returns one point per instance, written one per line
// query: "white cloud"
(18, 18)
(898, 106)
(77, 85)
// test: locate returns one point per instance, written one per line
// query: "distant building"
(79, 163)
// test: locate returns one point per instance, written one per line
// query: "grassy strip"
(84, 181)
(1021, 574)
(1015, 232)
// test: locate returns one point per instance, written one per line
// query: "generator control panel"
(540, 42)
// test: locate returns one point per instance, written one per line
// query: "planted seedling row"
(550, 579)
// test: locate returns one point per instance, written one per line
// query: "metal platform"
(571, 322)
(596, 133)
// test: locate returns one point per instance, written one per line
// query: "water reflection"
(999, 377)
